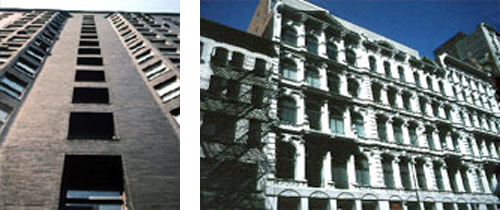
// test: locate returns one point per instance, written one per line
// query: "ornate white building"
(359, 121)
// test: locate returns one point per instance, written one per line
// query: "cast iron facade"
(357, 120)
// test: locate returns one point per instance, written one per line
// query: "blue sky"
(97, 5)
(419, 24)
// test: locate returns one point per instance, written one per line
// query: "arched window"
(289, 36)
(421, 174)
(429, 83)
(350, 57)
(219, 57)
(289, 70)
(312, 44)
(387, 69)
(287, 110)
(439, 176)
(398, 131)
(312, 77)
(401, 72)
(416, 76)
(339, 172)
(391, 95)
(435, 109)
(388, 171)
(353, 88)
(376, 92)
(334, 84)
(373, 63)
(362, 170)
(423, 105)
(285, 160)
(441, 88)
(405, 173)
(406, 100)
(358, 124)
(382, 128)
(313, 111)
(237, 60)
(429, 135)
(412, 131)
(336, 121)
(332, 51)
(465, 179)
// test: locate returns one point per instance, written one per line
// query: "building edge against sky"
(89, 105)
(356, 120)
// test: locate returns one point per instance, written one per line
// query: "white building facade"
(366, 123)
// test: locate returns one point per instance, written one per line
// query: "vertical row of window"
(91, 182)
(152, 65)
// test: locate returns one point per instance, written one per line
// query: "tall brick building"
(355, 120)
(89, 105)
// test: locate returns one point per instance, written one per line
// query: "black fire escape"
(235, 120)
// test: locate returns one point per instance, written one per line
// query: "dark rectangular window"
(92, 182)
(88, 125)
(91, 61)
(88, 36)
(89, 43)
(89, 51)
(90, 95)
(89, 76)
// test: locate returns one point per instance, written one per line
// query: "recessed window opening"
(90, 61)
(35, 54)
(144, 56)
(89, 76)
(90, 95)
(88, 36)
(90, 125)
(12, 85)
(169, 89)
(137, 47)
(92, 182)
(89, 43)
(155, 70)
(176, 113)
(26, 67)
(5, 111)
(89, 51)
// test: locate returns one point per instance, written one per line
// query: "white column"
(406, 134)
(304, 203)
(343, 84)
(333, 204)
(325, 115)
(376, 174)
(390, 130)
(323, 78)
(348, 123)
(396, 173)
(484, 180)
(301, 110)
(399, 99)
(327, 169)
(435, 138)
(351, 171)
(272, 202)
(383, 95)
(428, 172)
(300, 163)
(358, 204)
(446, 178)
